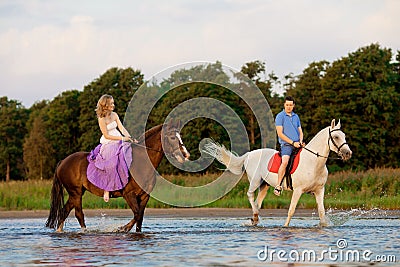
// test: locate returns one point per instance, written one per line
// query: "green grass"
(378, 188)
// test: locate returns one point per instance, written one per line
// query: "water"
(205, 242)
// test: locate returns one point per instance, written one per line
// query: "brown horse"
(146, 156)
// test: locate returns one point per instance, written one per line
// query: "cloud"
(47, 53)
(71, 45)
(382, 25)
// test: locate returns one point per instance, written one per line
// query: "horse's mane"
(315, 136)
(150, 132)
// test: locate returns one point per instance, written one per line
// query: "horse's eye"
(336, 137)
(173, 138)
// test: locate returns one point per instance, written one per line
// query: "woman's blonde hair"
(102, 109)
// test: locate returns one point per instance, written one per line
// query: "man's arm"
(300, 134)
(281, 135)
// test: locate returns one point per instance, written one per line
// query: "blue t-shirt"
(290, 125)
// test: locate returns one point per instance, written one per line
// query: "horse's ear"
(338, 124)
(168, 124)
(333, 124)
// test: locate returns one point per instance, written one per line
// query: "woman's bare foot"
(106, 196)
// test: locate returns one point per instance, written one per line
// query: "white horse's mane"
(317, 135)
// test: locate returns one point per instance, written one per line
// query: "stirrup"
(278, 190)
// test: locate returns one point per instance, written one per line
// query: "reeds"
(377, 188)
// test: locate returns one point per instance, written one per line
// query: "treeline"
(361, 89)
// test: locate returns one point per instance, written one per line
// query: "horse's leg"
(130, 198)
(319, 197)
(263, 190)
(142, 206)
(254, 184)
(79, 212)
(65, 213)
(293, 203)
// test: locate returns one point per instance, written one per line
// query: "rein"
(149, 148)
(157, 150)
(333, 142)
(320, 156)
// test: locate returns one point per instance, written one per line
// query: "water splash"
(338, 218)
(103, 224)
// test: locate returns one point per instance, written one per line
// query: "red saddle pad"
(275, 162)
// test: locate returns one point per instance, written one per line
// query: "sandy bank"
(203, 213)
(165, 213)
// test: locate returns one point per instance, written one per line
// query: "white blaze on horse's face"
(337, 142)
(184, 151)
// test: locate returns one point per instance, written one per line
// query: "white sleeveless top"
(112, 130)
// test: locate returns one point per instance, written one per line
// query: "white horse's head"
(337, 141)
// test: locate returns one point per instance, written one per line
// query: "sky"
(47, 46)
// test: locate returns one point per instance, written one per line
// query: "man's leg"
(281, 173)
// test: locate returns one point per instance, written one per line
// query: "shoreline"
(165, 213)
(196, 213)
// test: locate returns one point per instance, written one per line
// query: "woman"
(109, 162)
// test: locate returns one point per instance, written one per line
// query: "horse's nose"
(348, 154)
(185, 153)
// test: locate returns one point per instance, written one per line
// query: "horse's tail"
(232, 162)
(57, 202)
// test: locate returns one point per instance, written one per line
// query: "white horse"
(310, 175)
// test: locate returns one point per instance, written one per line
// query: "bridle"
(164, 139)
(333, 141)
(334, 144)
(181, 145)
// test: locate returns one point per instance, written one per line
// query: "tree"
(254, 71)
(360, 90)
(38, 152)
(306, 90)
(121, 84)
(13, 117)
(61, 122)
(53, 133)
(198, 100)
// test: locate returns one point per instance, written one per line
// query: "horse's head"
(172, 142)
(337, 141)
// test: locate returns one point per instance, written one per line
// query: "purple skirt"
(109, 165)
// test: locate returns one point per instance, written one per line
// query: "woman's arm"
(103, 129)
(123, 130)
(120, 126)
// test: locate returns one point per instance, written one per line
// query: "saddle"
(275, 162)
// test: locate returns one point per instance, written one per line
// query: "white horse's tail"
(232, 162)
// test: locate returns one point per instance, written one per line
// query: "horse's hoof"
(323, 224)
(254, 222)
(122, 229)
(248, 223)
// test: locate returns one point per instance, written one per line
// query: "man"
(288, 128)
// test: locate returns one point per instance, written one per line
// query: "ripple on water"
(197, 241)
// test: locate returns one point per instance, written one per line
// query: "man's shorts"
(286, 149)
